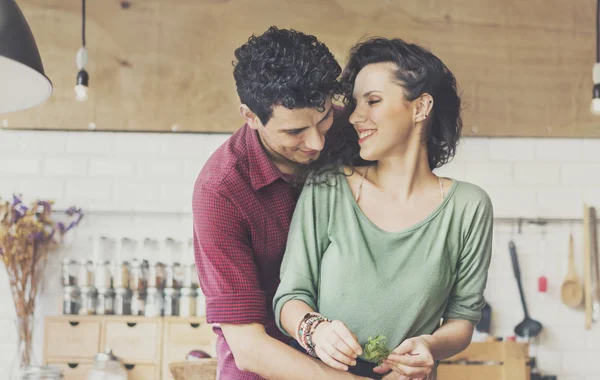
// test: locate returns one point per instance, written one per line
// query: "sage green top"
(396, 284)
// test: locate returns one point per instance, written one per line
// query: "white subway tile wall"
(144, 172)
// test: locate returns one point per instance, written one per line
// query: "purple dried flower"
(44, 204)
(21, 209)
(61, 227)
(37, 236)
(16, 200)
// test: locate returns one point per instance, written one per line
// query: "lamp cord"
(597, 32)
(83, 21)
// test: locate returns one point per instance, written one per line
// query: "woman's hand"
(336, 345)
(411, 359)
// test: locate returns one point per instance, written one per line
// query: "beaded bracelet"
(308, 325)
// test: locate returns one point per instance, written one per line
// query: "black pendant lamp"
(23, 83)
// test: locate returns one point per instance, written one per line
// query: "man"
(244, 199)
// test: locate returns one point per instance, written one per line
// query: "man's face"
(295, 136)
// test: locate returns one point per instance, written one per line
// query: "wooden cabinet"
(146, 345)
(73, 370)
(134, 340)
(183, 335)
(72, 338)
(489, 361)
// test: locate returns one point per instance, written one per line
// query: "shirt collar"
(262, 171)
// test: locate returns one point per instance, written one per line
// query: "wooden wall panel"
(524, 67)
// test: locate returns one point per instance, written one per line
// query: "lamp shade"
(23, 83)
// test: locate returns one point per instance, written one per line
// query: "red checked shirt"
(242, 208)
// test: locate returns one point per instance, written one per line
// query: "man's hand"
(336, 345)
(412, 360)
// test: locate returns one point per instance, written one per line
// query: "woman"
(387, 247)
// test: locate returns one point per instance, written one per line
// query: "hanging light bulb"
(83, 78)
(81, 88)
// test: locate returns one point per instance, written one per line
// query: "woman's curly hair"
(287, 68)
(418, 71)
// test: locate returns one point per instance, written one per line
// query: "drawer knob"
(131, 324)
(195, 325)
(73, 365)
(73, 323)
(129, 366)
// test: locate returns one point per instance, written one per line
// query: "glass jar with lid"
(71, 300)
(190, 276)
(171, 302)
(69, 269)
(122, 304)
(138, 276)
(107, 367)
(121, 275)
(105, 302)
(103, 277)
(187, 302)
(173, 275)
(88, 300)
(86, 273)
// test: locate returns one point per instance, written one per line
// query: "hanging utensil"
(571, 291)
(595, 269)
(587, 268)
(529, 328)
(543, 254)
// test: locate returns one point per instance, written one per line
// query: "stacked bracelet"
(306, 328)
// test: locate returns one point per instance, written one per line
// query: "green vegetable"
(375, 350)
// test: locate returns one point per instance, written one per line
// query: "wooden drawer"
(70, 339)
(489, 361)
(74, 371)
(183, 335)
(135, 340)
(142, 372)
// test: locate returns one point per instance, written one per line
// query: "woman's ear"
(424, 107)
(250, 117)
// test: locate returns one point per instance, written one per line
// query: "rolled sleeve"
(225, 260)
(466, 299)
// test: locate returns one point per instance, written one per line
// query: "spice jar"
(187, 302)
(103, 278)
(122, 301)
(190, 276)
(88, 300)
(200, 303)
(86, 273)
(154, 302)
(138, 302)
(173, 275)
(121, 275)
(137, 279)
(71, 300)
(171, 302)
(69, 269)
(105, 301)
(156, 273)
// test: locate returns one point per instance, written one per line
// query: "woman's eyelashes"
(373, 101)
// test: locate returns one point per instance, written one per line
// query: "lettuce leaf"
(376, 350)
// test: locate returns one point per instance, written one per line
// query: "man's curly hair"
(287, 68)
